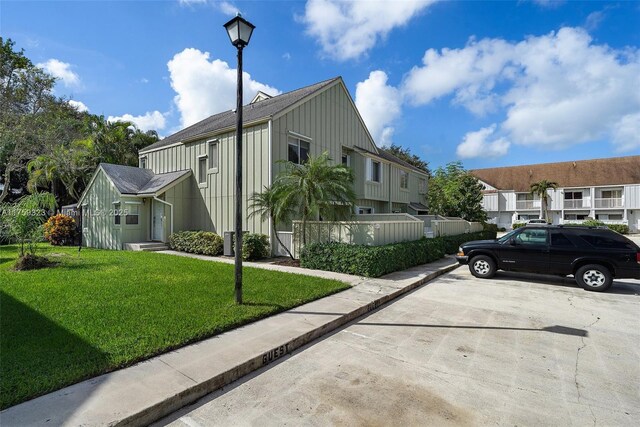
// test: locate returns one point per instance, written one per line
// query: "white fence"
(377, 230)
(454, 227)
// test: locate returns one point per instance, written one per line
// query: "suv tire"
(594, 277)
(482, 266)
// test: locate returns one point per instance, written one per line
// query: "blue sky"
(489, 83)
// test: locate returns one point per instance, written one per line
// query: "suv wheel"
(594, 277)
(482, 266)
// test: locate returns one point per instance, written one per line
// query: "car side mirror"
(512, 242)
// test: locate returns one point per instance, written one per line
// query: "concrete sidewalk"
(152, 389)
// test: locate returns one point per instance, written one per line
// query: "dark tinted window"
(605, 242)
(560, 240)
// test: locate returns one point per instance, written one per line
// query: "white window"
(346, 159)
(611, 194)
(132, 214)
(573, 195)
(374, 171)
(364, 210)
(422, 186)
(202, 170)
(213, 154)
(404, 180)
(298, 150)
(143, 162)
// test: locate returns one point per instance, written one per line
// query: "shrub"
(619, 228)
(376, 261)
(60, 230)
(517, 225)
(255, 246)
(489, 227)
(197, 242)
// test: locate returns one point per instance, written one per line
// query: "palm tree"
(540, 188)
(266, 205)
(316, 188)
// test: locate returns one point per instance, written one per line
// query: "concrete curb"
(192, 394)
(155, 388)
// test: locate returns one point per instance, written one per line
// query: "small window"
(404, 180)
(364, 210)
(213, 155)
(422, 186)
(143, 162)
(346, 159)
(604, 242)
(132, 214)
(373, 170)
(116, 213)
(202, 170)
(298, 150)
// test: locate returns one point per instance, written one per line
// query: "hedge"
(618, 228)
(376, 261)
(197, 242)
(255, 246)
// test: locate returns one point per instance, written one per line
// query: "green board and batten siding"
(99, 228)
(210, 206)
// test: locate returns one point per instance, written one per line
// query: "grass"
(102, 310)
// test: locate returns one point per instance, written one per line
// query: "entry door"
(157, 227)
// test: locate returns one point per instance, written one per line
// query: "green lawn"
(101, 310)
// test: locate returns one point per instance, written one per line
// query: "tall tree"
(25, 92)
(541, 188)
(316, 188)
(455, 192)
(406, 155)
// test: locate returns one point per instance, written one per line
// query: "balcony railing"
(609, 203)
(527, 204)
(576, 204)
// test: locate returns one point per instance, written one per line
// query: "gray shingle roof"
(252, 112)
(133, 180)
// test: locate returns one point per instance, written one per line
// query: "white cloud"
(594, 19)
(549, 4)
(477, 144)
(205, 87)
(78, 105)
(62, 71)
(379, 104)
(348, 29)
(191, 2)
(228, 8)
(626, 133)
(154, 120)
(556, 90)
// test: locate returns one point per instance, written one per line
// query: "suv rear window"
(605, 242)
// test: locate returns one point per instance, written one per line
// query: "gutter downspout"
(170, 210)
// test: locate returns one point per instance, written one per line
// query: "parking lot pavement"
(518, 349)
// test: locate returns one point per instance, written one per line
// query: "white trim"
(170, 213)
(132, 203)
(299, 136)
(140, 153)
(201, 156)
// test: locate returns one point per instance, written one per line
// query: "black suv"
(594, 255)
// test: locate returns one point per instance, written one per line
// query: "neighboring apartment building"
(603, 189)
(187, 180)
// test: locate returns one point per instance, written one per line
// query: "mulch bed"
(289, 262)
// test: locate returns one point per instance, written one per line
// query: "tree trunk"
(7, 179)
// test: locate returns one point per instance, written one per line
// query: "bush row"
(619, 228)
(254, 246)
(376, 261)
(196, 242)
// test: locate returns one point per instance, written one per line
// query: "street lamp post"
(239, 30)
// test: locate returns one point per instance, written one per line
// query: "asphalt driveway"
(515, 350)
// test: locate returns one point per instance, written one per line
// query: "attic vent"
(260, 96)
